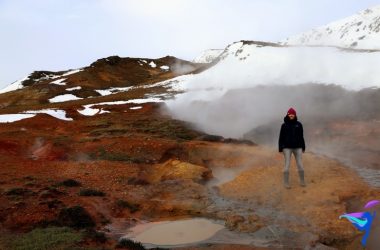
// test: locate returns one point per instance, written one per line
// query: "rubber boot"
(302, 178)
(286, 180)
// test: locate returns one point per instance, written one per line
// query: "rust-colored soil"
(160, 165)
(148, 166)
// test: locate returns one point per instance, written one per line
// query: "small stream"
(369, 175)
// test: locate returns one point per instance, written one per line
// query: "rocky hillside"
(89, 153)
(105, 76)
(98, 150)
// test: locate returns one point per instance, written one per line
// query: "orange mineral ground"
(131, 163)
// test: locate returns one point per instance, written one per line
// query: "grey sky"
(62, 34)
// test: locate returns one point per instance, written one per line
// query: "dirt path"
(332, 190)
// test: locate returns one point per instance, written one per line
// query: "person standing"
(291, 141)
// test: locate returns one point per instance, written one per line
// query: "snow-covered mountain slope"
(359, 31)
(15, 85)
(250, 63)
(254, 83)
(208, 56)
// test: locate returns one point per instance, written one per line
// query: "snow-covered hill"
(226, 100)
(251, 63)
(208, 56)
(359, 31)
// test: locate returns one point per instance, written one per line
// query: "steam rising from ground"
(180, 68)
(248, 92)
(254, 85)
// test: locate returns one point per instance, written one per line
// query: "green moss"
(46, 239)
(107, 155)
(61, 140)
(166, 128)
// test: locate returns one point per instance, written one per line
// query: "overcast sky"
(63, 34)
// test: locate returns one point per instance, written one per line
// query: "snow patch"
(14, 117)
(57, 113)
(174, 84)
(165, 67)
(59, 81)
(141, 62)
(102, 111)
(152, 64)
(88, 109)
(110, 91)
(64, 98)
(141, 100)
(70, 72)
(74, 88)
(136, 107)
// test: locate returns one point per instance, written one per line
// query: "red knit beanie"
(292, 111)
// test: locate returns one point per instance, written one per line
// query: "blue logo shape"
(362, 220)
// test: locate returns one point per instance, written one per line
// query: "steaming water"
(223, 175)
(172, 233)
(176, 232)
(261, 109)
(200, 231)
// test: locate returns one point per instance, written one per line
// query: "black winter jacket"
(291, 135)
